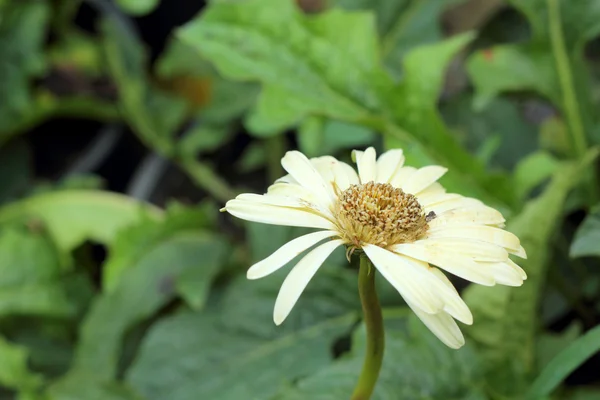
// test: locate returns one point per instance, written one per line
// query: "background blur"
(125, 125)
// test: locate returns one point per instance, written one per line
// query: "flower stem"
(565, 76)
(375, 334)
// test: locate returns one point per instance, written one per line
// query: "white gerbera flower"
(400, 217)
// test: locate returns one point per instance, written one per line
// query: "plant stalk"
(565, 77)
(375, 333)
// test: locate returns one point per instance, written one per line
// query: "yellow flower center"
(379, 214)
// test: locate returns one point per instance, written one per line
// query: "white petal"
(474, 249)
(434, 189)
(520, 252)
(488, 234)
(285, 253)
(418, 283)
(412, 281)
(335, 173)
(516, 267)
(308, 202)
(401, 176)
(481, 215)
(268, 214)
(296, 281)
(367, 167)
(305, 173)
(388, 163)
(452, 262)
(505, 274)
(286, 179)
(448, 201)
(455, 305)
(349, 172)
(291, 190)
(274, 200)
(323, 166)
(443, 326)
(422, 178)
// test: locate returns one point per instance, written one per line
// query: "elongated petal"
(349, 172)
(505, 274)
(323, 166)
(520, 252)
(310, 202)
(286, 253)
(274, 200)
(455, 305)
(414, 283)
(336, 173)
(367, 166)
(448, 201)
(269, 214)
(443, 326)
(302, 170)
(481, 215)
(422, 178)
(517, 268)
(474, 249)
(401, 176)
(435, 189)
(292, 190)
(487, 234)
(452, 262)
(296, 281)
(286, 179)
(388, 163)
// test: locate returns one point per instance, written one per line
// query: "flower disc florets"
(379, 214)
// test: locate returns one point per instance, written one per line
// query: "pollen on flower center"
(379, 214)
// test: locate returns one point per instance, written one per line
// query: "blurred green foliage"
(168, 314)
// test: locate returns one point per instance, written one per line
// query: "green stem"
(375, 334)
(565, 77)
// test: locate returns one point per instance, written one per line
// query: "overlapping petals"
(465, 237)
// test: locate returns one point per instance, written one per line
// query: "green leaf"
(31, 280)
(226, 100)
(15, 170)
(502, 121)
(403, 24)
(550, 344)
(566, 362)
(138, 7)
(133, 242)
(507, 317)
(22, 34)
(154, 115)
(317, 137)
(532, 171)
(226, 364)
(88, 387)
(234, 350)
(417, 117)
(248, 305)
(302, 61)
(143, 289)
(418, 25)
(73, 216)
(531, 66)
(587, 236)
(14, 372)
(416, 366)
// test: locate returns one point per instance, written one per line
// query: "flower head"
(398, 216)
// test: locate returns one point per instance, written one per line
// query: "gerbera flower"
(400, 217)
